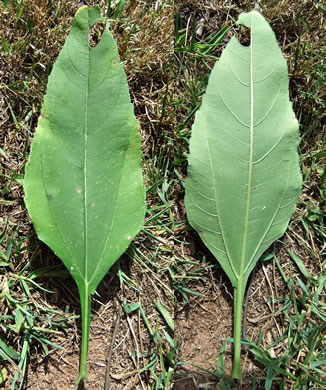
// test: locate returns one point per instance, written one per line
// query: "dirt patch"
(203, 324)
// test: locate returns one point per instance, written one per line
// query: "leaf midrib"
(85, 167)
(251, 147)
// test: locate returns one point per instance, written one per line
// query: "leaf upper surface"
(83, 183)
(243, 172)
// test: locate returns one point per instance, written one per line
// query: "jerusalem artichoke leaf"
(243, 175)
(83, 182)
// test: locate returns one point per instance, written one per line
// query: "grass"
(167, 270)
(28, 323)
(164, 347)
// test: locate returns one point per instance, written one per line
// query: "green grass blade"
(165, 314)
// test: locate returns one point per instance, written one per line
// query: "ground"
(164, 46)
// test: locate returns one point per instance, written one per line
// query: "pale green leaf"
(243, 175)
(83, 183)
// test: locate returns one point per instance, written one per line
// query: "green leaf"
(243, 175)
(83, 183)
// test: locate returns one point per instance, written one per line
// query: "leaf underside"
(243, 174)
(243, 171)
(83, 183)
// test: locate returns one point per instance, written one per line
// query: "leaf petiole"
(85, 300)
(238, 303)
